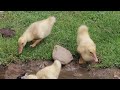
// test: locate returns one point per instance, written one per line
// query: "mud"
(6, 32)
(69, 71)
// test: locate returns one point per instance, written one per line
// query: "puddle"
(69, 71)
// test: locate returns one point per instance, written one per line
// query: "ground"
(70, 71)
(104, 30)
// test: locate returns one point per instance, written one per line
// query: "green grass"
(104, 30)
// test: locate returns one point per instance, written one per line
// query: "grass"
(104, 30)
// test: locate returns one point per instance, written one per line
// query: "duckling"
(86, 47)
(36, 32)
(49, 72)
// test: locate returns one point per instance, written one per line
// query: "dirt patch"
(2, 71)
(70, 71)
(6, 32)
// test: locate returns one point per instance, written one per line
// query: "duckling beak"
(20, 49)
(95, 58)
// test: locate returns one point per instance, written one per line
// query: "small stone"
(62, 54)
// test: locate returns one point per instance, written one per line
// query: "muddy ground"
(69, 71)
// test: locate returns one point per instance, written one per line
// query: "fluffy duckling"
(49, 72)
(36, 32)
(86, 47)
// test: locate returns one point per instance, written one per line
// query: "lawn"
(104, 30)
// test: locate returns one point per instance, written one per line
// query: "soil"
(7, 32)
(70, 71)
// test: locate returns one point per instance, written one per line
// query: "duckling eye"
(91, 52)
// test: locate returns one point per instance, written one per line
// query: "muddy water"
(69, 71)
(77, 74)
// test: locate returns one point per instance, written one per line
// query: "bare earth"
(69, 71)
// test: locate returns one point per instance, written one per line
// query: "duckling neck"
(84, 35)
(27, 37)
(57, 65)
